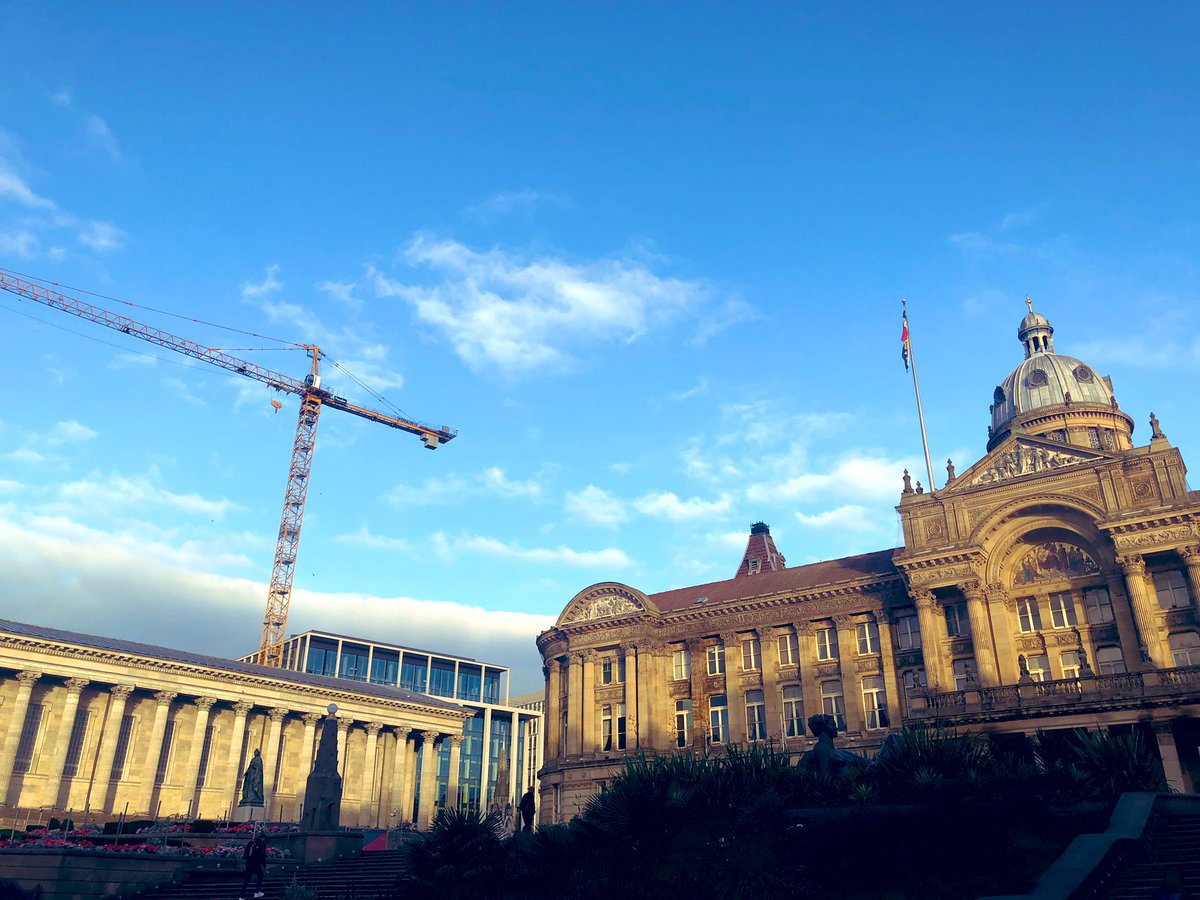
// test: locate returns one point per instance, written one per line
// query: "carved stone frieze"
(868, 665)
(1027, 460)
(935, 529)
(1142, 490)
(828, 669)
(1152, 538)
(680, 689)
(1066, 640)
(790, 675)
(960, 648)
(1179, 617)
(1034, 643)
(750, 679)
(714, 684)
(603, 607)
(611, 693)
(943, 574)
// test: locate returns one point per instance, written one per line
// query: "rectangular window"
(755, 566)
(1110, 661)
(868, 638)
(958, 624)
(385, 667)
(1028, 615)
(716, 660)
(1039, 667)
(793, 711)
(964, 674)
(756, 716)
(606, 727)
(121, 754)
(470, 682)
(1070, 664)
(606, 670)
(28, 740)
(322, 661)
(1098, 605)
(787, 649)
(827, 642)
(354, 664)
(491, 685)
(914, 680)
(612, 727)
(1171, 589)
(908, 633)
(1185, 648)
(681, 664)
(441, 678)
(683, 722)
(831, 702)
(413, 673)
(79, 729)
(206, 752)
(718, 719)
(751, 655)
(1062, 610)
(875, 702)
(164, 753)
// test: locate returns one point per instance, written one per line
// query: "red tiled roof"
(800, 578)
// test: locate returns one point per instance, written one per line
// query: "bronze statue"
(825, 759)
(252, 782)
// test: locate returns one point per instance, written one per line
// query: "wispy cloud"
(96, 133)
(113, 491)
(453, 488)
(13, 187)
(496, 482)
(364, 538)
(843, 518)
(507, 203)
(103, 237)
(701, 387)
(521, 315)
(342, 292)
(667, 505)
(594, 506)
(451, 547)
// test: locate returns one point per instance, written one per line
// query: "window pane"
(1098, 605)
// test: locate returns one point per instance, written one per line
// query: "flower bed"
(233, 851)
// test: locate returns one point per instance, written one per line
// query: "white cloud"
(522, 315)
(446, 489)
(701, 387)
(508, 202)
(594, 506)
(68, 432)
(842, 518)
(609, 558)
(23, 244)
(364, 538)
(341, 291)
(495, 481)
(13, 187)
(857, 475)
(99, 135)
(103, 237)
(269, 286)
(668, 506)
(115, 491)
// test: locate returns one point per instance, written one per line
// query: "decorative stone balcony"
(1068, 696)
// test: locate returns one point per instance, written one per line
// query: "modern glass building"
(499, 753)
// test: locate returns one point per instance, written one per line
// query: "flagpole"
(912, 360)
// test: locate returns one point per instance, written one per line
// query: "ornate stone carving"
(276, 714)
(1190, 554)
(76, 685)
(373, 728)
(1157, 537)
(456, 740)
(205, 703)
(1141, 489)
(28, 678)
(1066, 640)
(1052, 560)
(311, 719)
(402, 732)
(1179, 617)
(680, 689)
(241, 708)
(1132, 565)
(906, 658)
(1025, 460)
(828, 669)
(165, 697)
(610, 693)
(960, 648)
(1034, 643)
(935, 529)
(714, 684)
(868, 665)
(602, 608)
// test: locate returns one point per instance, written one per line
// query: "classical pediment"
(609, 601)
(1024, 457)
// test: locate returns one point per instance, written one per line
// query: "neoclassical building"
(1053, 584)
(96, 726)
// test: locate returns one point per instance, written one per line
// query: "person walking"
(255, 855)
(527, 806)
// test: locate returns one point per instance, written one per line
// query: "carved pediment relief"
(1023, 459)
(603, 608)
(606, 601)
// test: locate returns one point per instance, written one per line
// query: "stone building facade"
(1053, 584)
(95, 727)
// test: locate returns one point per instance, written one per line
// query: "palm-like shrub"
(460, 855)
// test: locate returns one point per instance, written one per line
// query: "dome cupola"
(1056, 397)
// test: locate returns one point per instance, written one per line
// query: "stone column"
(66, 725)
(1002, 609)
(366, 804)
(191, 776)
(270, 755)
(408, 790)
(574, 705)
(343, 732)
(591, 739)
(233, 758)
(851, 689)
(98, 793)
(1165, 736)
(933, 632)
(698, 653)
(735, 697)
(16, 723)
(810, 692)
(981, 634)
(399, 768)
(456, 742)
(772, 693)
(145, 794)
(1127, 630)
(428, 779)
(631, 696)
(647, 667)
(1144, 609)
(1191, 558)
(308, 744)
(887, 659)
(553, 736)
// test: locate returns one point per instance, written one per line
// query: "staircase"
(1174, 849)
(369, 876)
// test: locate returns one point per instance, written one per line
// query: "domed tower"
(1056, 397)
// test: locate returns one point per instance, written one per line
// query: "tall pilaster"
(399, 767)
(58, 758)
(191, 776)
(452, 798)
(145, 793)
(1144, 612)
(270, 755)
(591, 738)
(735, 697)
(933, 632)
(698, 653)
(768, 638)
(632, 718)
(97, 795)
(999, 604)
(407, 765)
(367, 803)
(574, 705)
(428, 779)
(1127, 629)
(553, 721)
(847, 654)
(647, 662)
(810, 692)
(16, 723)
(981, 634)
(233, 757)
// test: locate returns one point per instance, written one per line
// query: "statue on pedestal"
(323, 790)
(252, 782)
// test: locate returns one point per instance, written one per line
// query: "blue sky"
(647, 258)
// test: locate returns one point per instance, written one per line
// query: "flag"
(904, 350)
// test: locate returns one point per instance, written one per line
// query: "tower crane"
(312, 398)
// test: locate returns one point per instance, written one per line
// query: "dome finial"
(1029, 303)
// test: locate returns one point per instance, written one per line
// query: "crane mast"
(312, 398)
